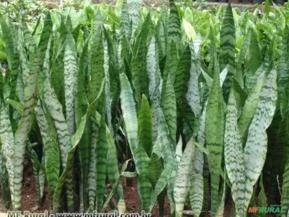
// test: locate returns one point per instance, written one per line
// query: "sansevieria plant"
(190, 103)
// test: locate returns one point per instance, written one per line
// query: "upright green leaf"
(256, 144)
(250, 106)
(145, 126)
(214, 132)
(285, 188)
(51, 149)
(168, 104)
(227, 47)
(139, 155)
(125, 21)
(183, 176)
(174, 23)
(70, 79)
(7, 142)
(283, 70)
(25, 123)
(234, 156)
(139, 73)
(10, 39)
(197, 179)
(101, 163)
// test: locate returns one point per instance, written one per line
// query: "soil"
(30, 203)
(29, 197)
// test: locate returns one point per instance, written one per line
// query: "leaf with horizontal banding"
(55, 110)
(92, 165)
(140, 79)
(75, 139)
(7, 141)
(256, 144)
(112, 164)
(96, 59)
(182, 75)
(283, 70)
(227, 48)
(182, 179)
(38, 171)
(154, 83)
(10, 37)
(70, 79)
(168, 104)
(134, 7)
(285, 188)
(164, 149)
(174, 23)
(234, 155)
(25, 123)
(50, 147)
(214, 132)
(145, 126)
(171, 64)
(161, 38)
(101, 162)
(69, 163)
(4, 182)
(113, 69)
(125, 22)
(196, 192)
(193, 92)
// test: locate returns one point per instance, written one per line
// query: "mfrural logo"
(271, 210)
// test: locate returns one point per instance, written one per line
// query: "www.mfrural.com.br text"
(93, 214)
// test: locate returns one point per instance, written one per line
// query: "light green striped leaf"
(55, 110)
(7, 141)
(70, 79)
(125, 21)
(182, 179)
(134, 7)
(50, 147)
(25, 123)
(283, 70)
(193, 92)
(234, 156)
(154, 83)
(197, 179)
(164, 149)
(256, 144)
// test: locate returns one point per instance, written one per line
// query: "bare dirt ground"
(30, 203)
